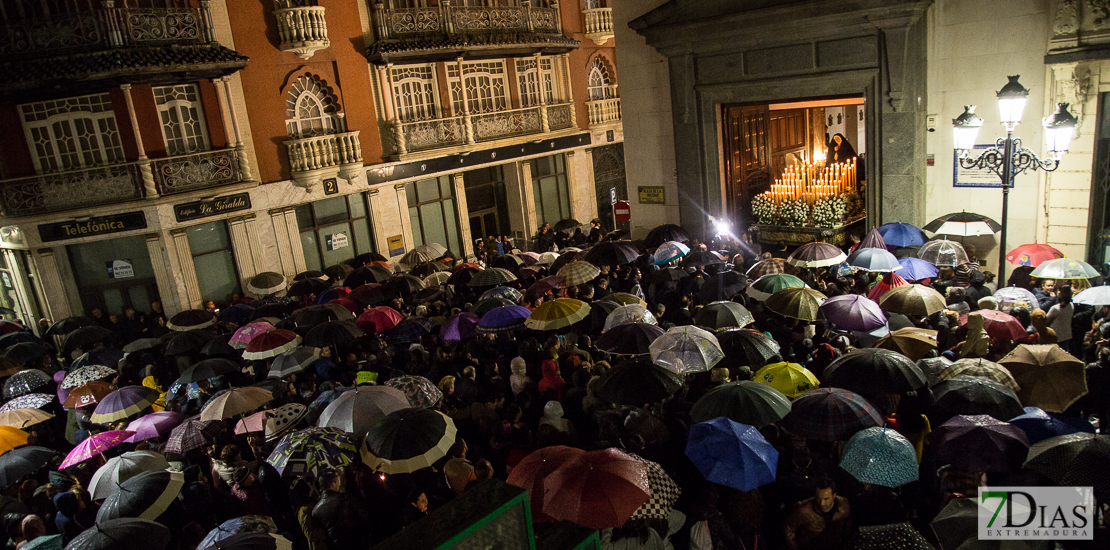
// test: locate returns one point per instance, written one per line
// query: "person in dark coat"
(595, 232)
(545, 239)
(341, 515)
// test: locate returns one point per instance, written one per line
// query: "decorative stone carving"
(1067, 18)
(1098, 13)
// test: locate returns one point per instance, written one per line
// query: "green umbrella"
(746, 402)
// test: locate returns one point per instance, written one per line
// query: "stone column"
(528, 196)
(294, 239)
(57, 304)
(255, 240)
(286, 262)
(150, 190)
(225, 105)
(467, 120)
(188, 270)
(167, 287)
(240, 148)
(402, 199)
(463, 215)
(241, 248)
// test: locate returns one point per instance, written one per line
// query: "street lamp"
(1007, 158)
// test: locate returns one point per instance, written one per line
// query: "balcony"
(302, 30)
(108, 27)
(203, 170)
(315, 159)
(72, 190)
(441, 32)
(460, 132)
(599, 24)
(604, 111)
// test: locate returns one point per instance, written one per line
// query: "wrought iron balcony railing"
(203, 170)
(446, 19)
(460, 131)
(72, 189)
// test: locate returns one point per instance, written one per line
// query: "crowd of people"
(510, 390)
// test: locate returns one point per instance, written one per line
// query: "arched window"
(600, 83)
(311, 109)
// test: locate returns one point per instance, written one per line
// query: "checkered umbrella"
(84, 375)
(409, 330)
(830, 414)
(816, 254)
(492, 277)
(420, 391)
(664, 492)
(767, 267)
(979, 367)
(578, 273)
(881, 457)
(25, 382)
(194, 433)
(311, 450)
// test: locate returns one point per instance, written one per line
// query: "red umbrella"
(1032, 254)
(598, 489)
(530, 473)
(999, 325)
(889, 281)
(379, 319)
(348, 304)
(271, 344)
(8, 327)
(543, 286)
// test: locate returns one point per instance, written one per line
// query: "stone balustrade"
(302, 30)
(313, 159)
(599, 24)
(604, 111)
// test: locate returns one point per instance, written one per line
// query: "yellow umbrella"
(11, 438)
(912, 300)
(625, 299)
(21, 418)
(558, 313)
(912, 342)
(791, 379)
(796, 303)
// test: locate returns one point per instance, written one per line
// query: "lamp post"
(1007, 158)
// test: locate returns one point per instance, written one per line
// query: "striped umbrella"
(763, 287)
(816, 254)
(889, 281)
(408, 440)
(122, 403)
(271, 344)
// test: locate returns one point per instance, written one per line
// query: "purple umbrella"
(463, 326)
(980, 443)
(154, 425)
(914, 269)
(503, 319)
(122, 403)
(854, 312)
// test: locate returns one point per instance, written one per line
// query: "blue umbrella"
(239, 314)
(732, 454)
(1039, 425)
(503, 318)
(331, 294)
(409, 330)
(511, 294)
(914, 269)
(244, 524)
(901, 234)
(881, 457)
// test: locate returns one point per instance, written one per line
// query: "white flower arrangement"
(830, 211)
(764, 209)
(794, 212)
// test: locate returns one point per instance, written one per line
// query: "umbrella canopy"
(912, 342)
(816, 254)
(88, 394)
(1064, 268)
(973, 395)
(873, 371)
(367, 274)
(403, 285)
(407, 440)
(943, 253)
(873, 239)
(830, 414)
(669, 252)
(796, 303)
(17, 464)
(912, 300)
(853, 312)
(746, 402)
(791, 379)
(503, 319)
(154, 425)
(747, 347)
(94, 445)
(874, 260)
(723, 285)
(1079, 459)
(886, 283)
(1033, 255)
(629, 339)
(626, 299)
(271, 344)
(532, 471)
(686, 349)
(578, 273)
(732, 454)
(308, 287)
(408, 331)
(359, 410)
(463, 326)
(146, 495)
(314, 315)
(191, 319)
(611, 253)
(768, 267)
(84, 375)
(11, 438)
(29, 401)
(22, 418)
(895, 535)
(332, 333)
(881, 457)
(24, 352)
(541, 288)
(121, 468)
(312, 450)
(84, 337)
(122, 403)
(982, 368)
(1094, 296)
(556, 314)
(1013, 296)
(209, 368)
(1039, 425)
(244, 334)
(718, 316)
(436, 279)
(378, 319)
(235, 402)
(663, 233)
(193, 433)
(507, 292)
(181, 343)
(252, 524)
(25, 382)
(420, 392)
(637, 381)
(901, 234)
(218, 347)
(293, 361)
(493, 276)
(999, 325)
(598, 489)
(916, 269)
(1050, 378)
(979, 443)
(964, 224)
(664, 492)
(632, 313)
(67, 325)
(266, 283)
(250, 541)
(122, 534)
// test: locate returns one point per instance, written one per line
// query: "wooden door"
(748, 154)
(788, 139)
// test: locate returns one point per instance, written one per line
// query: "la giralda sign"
(203, 209)
(100, 225)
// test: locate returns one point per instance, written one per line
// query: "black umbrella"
(248, 541)
(122, 534)
(13, 338)
(874, 371)
(68, 325)
(971, 395)
(615, 235)
(723, 285)
(279, 310)
(310, 274)
(638, 381)
(896, 535)
(145, 496)
(308, 287)
(409, 330)
(964, 224)
(219, 346)
(611, 253)
(141, 344)
(332, 333)
(511, 262)
(493, 276)
(747, 347)
(25, 352)
(84, 338)
(187, 342)
(906, 251)
(426, 268)
(209, 368)
(315, 315)
(463, 276)
(408, 440)
(746, 402)
(25, 382)
(669, 274)
(664, 233)
(17, 464)
(563, 259)
(629, 338)
(100, 356)
(701, 257)
(363, 259)
(599, 311)
(191, 319)
(367, 274)
(1079, 459)
(403, 285)
(563, 225)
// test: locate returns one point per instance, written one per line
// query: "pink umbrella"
(247, 332)
(154, 425)
(378, 319)
(253, 423)
(889, 281)
(854, 312)
(95, 445)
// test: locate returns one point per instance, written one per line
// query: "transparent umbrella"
(686, 349)
(633, 313)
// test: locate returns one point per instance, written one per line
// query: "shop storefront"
(334, 230)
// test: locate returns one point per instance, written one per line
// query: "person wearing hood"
(518, 380)
(553, 416)
(1039, 319)
(551, 379)
(73, 515)
(976, 343)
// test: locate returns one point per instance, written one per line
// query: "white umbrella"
(686, 349)
(1094, 296)
(108, 477)
(359, 410)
